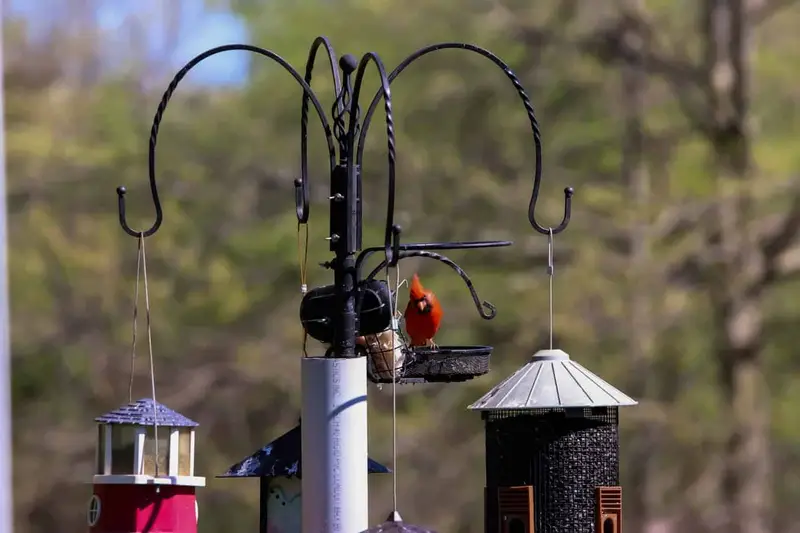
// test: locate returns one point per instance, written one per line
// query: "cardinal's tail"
(416, 290)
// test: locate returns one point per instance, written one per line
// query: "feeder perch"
(552, 449)
(135, 488)
(278, 466)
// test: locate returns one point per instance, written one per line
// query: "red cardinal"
(423, 314)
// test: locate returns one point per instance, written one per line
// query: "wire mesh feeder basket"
(426, 364)
(386, 353)
(446, 364)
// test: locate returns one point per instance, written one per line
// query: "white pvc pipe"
(334, 428)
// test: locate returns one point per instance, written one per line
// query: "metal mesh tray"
(444, 364)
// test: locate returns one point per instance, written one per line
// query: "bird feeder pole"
(334, 387)
(334, 405)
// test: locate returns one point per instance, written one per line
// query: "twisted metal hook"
(486, 310)
(301, 198)
(526, 102)
(302, 193)
(392, 233)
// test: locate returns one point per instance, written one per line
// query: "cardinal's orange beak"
(421, 305)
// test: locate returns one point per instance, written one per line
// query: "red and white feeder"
(136, 488)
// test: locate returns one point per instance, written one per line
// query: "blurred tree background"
(674, 120)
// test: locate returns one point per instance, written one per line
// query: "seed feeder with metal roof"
(552, 444)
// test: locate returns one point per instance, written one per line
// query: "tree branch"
(781, 246)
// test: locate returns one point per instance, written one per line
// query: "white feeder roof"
(551, 381)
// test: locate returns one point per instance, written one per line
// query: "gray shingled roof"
(141, 413)
(551, 380)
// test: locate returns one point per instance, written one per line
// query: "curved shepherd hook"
(485, 309)
(302, 195)
(392, 235)
(537, 178)
(301, 198)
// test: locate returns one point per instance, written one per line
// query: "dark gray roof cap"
(281, 458)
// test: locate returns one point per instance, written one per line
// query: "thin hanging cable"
(150, 349)
(302, 255)
(135, 318)
(551, 275)
(394, 326)
(302, 260)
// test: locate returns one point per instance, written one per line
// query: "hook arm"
(121, 191)
(302, 193)
(486, 310)
(526, 102)
(162, 106)
(392, 233)
(568, 192)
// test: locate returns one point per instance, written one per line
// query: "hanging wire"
(394, 326)
(550, 275)
(302, 255)
(135, 318)
(302, 260)
(141, 274)
(394, 522)
(150, 350)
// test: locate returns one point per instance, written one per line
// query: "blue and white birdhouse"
(279, 468)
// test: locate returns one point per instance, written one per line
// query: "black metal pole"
(345, 227)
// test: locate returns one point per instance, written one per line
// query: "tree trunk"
(737, 272)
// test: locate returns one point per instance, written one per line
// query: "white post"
(191, 452)
(334, 460)
(174, 446)
(139, 438)
(6, 502)
(107, 460)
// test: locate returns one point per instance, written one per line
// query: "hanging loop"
(123, 219)
(568, 192)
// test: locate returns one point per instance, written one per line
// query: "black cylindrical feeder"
(552, 450)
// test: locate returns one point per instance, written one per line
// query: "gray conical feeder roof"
(551, 380)
(394, 524)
